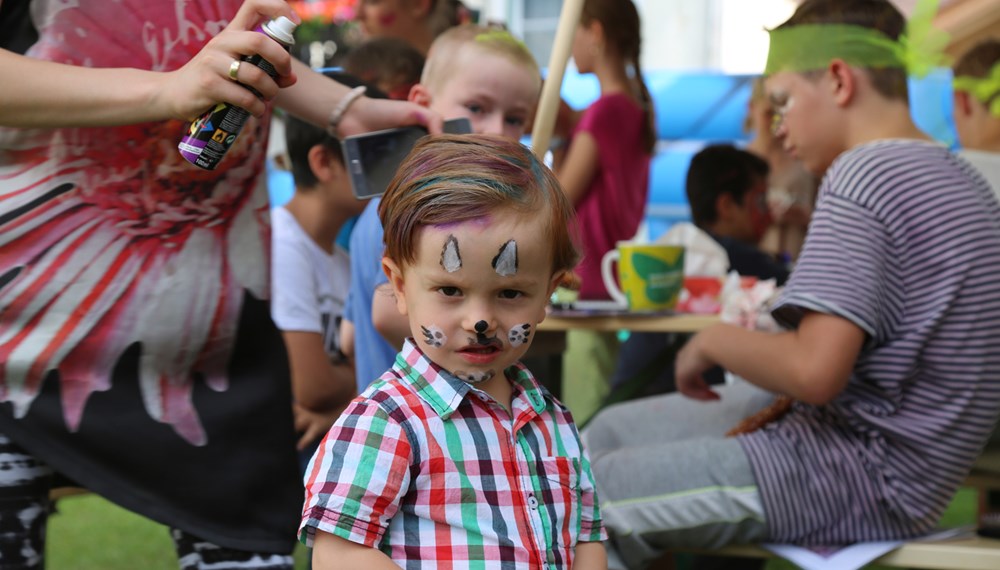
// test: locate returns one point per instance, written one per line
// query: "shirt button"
(532, 502)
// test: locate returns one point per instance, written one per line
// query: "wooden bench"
(974, 553)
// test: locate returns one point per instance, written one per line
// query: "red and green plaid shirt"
(430, 470)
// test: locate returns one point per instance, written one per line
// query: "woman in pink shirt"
(605, 173)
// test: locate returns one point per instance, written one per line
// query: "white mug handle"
(610, 283)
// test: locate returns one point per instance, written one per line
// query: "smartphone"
(372, 158)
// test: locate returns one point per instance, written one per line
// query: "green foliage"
(312, 30)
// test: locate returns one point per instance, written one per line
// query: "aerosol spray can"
(210, 135)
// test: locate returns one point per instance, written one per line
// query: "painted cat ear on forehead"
(451, 258)
(505, 262)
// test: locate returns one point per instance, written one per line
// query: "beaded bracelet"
(340, 110)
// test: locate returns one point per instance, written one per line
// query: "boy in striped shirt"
(456, 457)
(893, 349)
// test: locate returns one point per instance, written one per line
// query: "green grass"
(89, 533)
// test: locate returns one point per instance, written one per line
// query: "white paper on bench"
(853, 556)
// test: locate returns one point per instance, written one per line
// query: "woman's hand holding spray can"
(211, 134)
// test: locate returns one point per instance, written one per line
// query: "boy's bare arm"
(347, 339)
(578, 168)
(317, 384)
(811, 364)
(590, 556)
(330, 551)
(389, 322)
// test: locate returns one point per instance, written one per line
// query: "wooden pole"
(548, 105)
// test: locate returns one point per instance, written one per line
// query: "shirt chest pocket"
(558, 498)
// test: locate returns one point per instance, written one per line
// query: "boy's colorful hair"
(449, 179)
(623, 31)
(386, 61)
(452, 44)
(978, 73)
(870, 34)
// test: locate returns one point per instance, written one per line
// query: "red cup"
(701, 295)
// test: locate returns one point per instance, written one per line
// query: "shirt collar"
(444, 392)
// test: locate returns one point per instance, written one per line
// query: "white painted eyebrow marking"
(505, 263)
(451, 259)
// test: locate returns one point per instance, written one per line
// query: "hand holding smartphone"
(373, 158)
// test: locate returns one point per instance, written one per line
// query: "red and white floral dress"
(136, 352)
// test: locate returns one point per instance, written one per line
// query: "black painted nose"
(481, 327)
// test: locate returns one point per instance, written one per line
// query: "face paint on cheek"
(778, 116)
(760, 221)
(474, 377)
(519, 335)
(451, 259)
(505, 263)
(434, 336)
(387, 20)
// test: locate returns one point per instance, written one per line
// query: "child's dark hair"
(879, 15)
(980, 60)
(622, 29)
(386, 61)
(301, 136)
(717, 170)
(448, 179)
(447, 13)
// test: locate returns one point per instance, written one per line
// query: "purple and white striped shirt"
(904, 243)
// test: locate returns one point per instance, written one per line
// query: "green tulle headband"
(809, 47)
(985, 89)
(501, 37)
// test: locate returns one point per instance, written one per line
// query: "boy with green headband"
(977, 108)
(892, 353)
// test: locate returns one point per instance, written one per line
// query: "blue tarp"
(696, 108)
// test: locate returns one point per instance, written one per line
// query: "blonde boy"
(456, 457)
(485, 75)
(893, 347)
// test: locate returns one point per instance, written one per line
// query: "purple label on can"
(211, 135)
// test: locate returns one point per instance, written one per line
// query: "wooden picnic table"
(619, 320)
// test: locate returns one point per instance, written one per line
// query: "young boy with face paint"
(893, 348)
(487, 76)
(456, 456)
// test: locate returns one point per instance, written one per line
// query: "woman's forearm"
(313, 97)
(47, 94)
